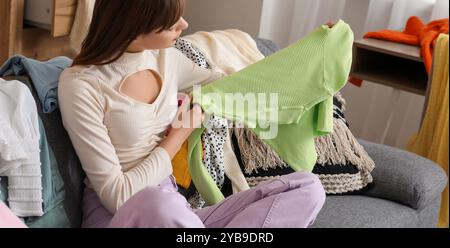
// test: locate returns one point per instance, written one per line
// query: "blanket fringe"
(341, 99)
(341, 147)
(255, 153)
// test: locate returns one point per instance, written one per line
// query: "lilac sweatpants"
(292, 200)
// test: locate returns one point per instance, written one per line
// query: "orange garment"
(355, 81)
(181, 167)
(416, 33)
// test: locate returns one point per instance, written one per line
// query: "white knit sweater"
(19, 148)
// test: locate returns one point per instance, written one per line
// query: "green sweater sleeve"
(304, 77)
(202, 180)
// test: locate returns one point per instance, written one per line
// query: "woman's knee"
(317, 190)
(303, 181)
(309, 183)
(153, 207)
(152, 199)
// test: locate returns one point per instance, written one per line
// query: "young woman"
(117, 101)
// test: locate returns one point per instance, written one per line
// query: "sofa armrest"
(404, 177)
(266, 47)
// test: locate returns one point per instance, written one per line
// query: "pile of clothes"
(30, 181)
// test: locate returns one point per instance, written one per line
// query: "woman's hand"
(186, 121)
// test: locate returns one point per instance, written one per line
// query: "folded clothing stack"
(19, 148)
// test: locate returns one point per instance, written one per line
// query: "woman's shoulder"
(78, 74)
(78, 80)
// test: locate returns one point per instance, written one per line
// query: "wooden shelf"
(391, 64)
(391, 48)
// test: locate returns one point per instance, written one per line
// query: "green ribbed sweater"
(306, 75)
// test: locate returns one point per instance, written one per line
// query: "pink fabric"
(8, 219)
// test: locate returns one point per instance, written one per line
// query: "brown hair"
(116, 23)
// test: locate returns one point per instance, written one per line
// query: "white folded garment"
(19, 148)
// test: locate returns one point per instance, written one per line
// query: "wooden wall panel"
(11, 22)
(63, 17)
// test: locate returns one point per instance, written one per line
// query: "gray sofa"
(406, 193)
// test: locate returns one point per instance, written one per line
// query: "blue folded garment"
(44, 76)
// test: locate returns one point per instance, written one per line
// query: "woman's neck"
(131, 50)
(134, 48)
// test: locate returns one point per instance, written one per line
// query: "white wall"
(208, 15)
(285, 21)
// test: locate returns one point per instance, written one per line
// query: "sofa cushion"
(404, 177)
(343, 166)
(354, 211)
